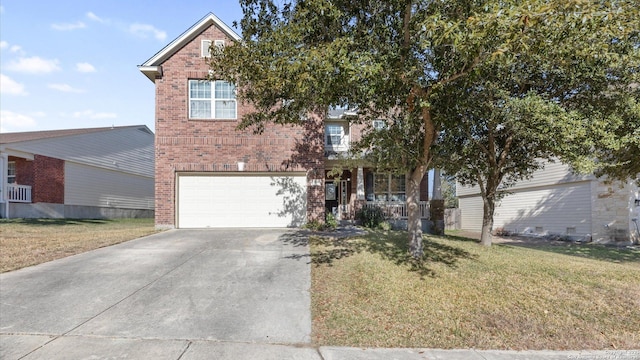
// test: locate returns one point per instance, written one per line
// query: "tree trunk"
(414, 220)
(489, 206)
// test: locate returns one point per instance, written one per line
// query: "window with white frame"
(336, 137)
(379, 124)
(389, 187)
(11, 172)
(205, 47)
(212, 100)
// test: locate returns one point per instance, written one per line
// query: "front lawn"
(26, 242)
(368, 292)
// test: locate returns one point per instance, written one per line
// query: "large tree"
(566, 92)
(392, 58)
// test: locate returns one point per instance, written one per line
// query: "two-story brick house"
(209, 174)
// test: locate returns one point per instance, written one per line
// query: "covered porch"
(354, 189)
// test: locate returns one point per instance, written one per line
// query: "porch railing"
(398, 209)
(19, 193)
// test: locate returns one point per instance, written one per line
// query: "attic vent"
(205, 48)
(219, 43)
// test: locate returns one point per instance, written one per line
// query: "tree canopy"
(405, 60)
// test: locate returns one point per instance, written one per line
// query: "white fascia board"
(16, 153)
(187, 36)
(152, 72)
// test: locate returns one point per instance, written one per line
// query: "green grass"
(368, 292)
(26, 242)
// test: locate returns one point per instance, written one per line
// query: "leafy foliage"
(371, 216)
(424, 65)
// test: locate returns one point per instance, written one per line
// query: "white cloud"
(144, 30)
(10, 86)
(4, 44)
(68, 26)
(65, 88)
(11, 121)
(16, 49)
(95, 17)
(90, 114)
(34, 65)
(85, 68)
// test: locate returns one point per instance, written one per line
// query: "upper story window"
(205, 47)
(11, 172)
(379, 124)
(336, 137)
(212, 100)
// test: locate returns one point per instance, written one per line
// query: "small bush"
(330, 222)
(314, 225)
(370, 217)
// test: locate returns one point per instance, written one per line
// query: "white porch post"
(437, 186)
(4, 161)
(360, 184)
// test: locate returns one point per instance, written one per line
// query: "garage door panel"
(241, 201)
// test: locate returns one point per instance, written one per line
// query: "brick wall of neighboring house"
(216, 145)
(24, 171)
(48, 180)
(45, 175)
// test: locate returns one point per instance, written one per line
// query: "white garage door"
(274, 200)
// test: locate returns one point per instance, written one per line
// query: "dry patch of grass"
(366, 292)
(26, 242)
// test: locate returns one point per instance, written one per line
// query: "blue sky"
(73, 63)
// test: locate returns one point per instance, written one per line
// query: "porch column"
(360, 184)
(437, 186)
(4, 201)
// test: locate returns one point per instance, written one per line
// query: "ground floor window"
(11, 172)
(385, 187)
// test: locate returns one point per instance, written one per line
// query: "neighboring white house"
(555, 201)
(77, 173)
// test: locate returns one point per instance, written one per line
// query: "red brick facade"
(45, 175)
(184, 145)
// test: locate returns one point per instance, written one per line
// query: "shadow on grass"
(54, 222)
(610, 253)
(390, 245)
(614, 254)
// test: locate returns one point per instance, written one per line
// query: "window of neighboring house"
(336, 137)
(11, 172)
(388, 187)
(212, 100)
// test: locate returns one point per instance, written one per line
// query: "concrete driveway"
(180, 294)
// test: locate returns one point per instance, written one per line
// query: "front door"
(337, 193)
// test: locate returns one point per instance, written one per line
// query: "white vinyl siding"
(470, 213)
(92, 186)
(212, 100)
(274, 200)
(128, 150)
(553, 173)
(552, 209)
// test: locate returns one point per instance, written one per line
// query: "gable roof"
(127, 149)
(9, 138)
(151, 68)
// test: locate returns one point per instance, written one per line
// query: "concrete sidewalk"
(187, 295)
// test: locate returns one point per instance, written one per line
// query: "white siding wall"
(553, 173)
(470, 213)
(552, 208)
(92, 186)
(128, 149)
